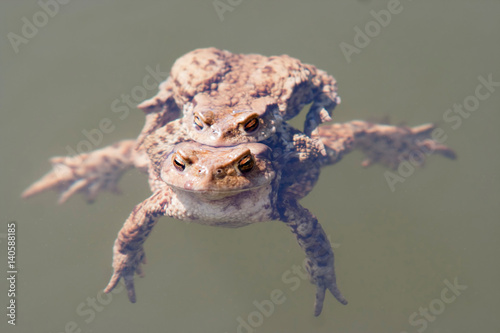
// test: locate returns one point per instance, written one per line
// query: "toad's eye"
(198, 123)
(252, 125)
(246, 164)
(179, 164)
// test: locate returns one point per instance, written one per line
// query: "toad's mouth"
(216, 193)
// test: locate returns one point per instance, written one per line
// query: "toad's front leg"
(325, 100)
(312, 239)
(128, 252)
(160, 110)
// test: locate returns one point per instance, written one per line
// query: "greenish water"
(394, 250)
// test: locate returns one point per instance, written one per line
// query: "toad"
(229, 98)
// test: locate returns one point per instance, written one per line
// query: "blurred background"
(65, 66)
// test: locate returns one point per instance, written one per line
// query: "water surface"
(394, 249)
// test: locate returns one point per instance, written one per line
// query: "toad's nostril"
(219, 173)
(216, 133)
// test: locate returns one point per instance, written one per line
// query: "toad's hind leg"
(384, 144)
(90, 173)
(312, 239)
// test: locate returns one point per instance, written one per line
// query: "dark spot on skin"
(170, 129)
(268, 70)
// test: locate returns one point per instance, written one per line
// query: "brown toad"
(232, 98)
(230, 186)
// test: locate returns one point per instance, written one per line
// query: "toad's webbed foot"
(88, 173)
(324, 279)
(126, 265)
(312, 239)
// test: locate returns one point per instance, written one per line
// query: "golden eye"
(246, 164)
(198, 123)
(179, 164)
(252, 125)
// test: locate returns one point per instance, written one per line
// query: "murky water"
(400, 254)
